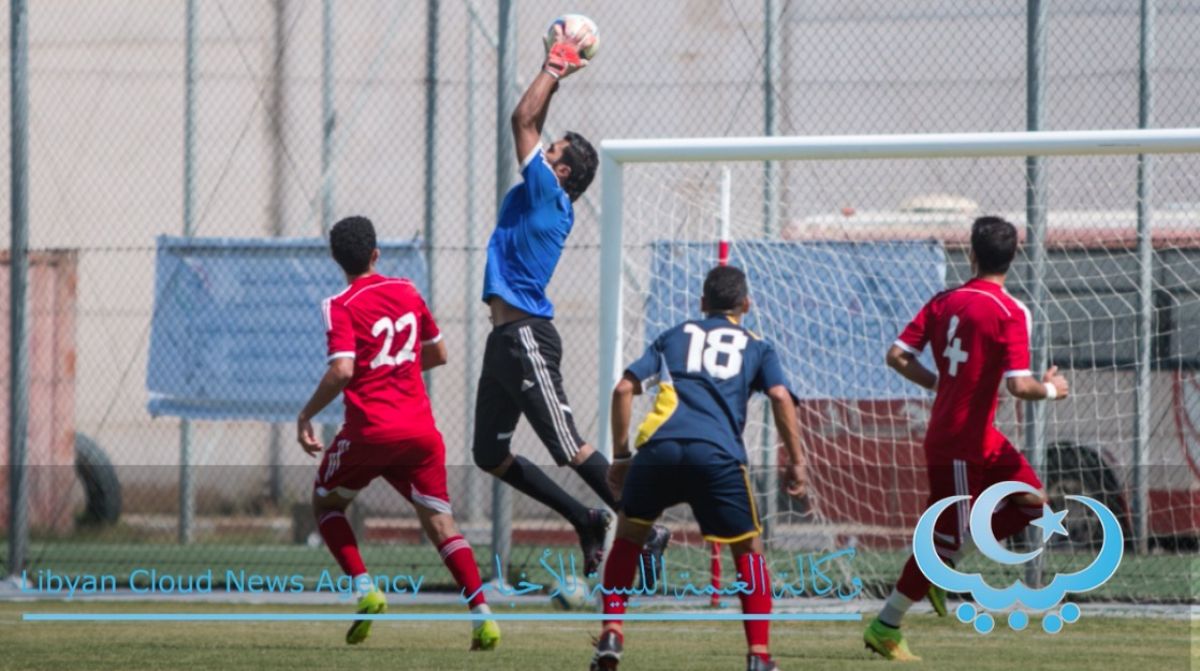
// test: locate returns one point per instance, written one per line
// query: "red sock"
(912, 583)
(618, 574)
(457, 555)
(339, 538)
(1011, 519)
(752, 569)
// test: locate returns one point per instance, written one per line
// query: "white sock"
(894, 608)
(363, 584)
(481, 609)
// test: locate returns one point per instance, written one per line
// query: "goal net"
(842, 250)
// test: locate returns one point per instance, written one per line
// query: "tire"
(101, 488)
(1081, 470)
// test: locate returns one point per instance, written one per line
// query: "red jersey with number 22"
(382, 323)
(980, 336)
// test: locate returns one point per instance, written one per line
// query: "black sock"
(526, 477)
(594, 471)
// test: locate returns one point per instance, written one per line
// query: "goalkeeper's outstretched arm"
(530, 114)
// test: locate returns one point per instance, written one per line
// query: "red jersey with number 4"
(979, 335)
(382, 323)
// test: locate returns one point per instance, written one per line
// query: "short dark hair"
(994, 242)
(351, 241)
(580, 157)
(725, 288)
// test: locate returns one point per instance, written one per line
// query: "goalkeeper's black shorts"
(521, 376)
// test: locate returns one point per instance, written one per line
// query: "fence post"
(506, 74)
(1145, 296)
(18, 384)
(187, 497)
(1035, 252)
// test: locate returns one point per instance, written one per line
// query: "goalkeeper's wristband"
(623, 457)
(550, 72)
(1051, 391)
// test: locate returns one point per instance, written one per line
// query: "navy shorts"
(707, 478)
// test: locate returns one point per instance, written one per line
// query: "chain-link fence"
(308, 110)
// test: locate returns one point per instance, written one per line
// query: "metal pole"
(187, 498)
(18, 384)
(327, 115)
(1035, 237)
(1145, 297)
(275, 206)
(770, 125)
(328, 122)
(506, 74)
(471, 288)
(431, 67)
(769, 481)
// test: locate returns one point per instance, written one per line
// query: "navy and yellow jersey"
(705, 371)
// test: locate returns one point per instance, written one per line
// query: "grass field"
(1092, 643)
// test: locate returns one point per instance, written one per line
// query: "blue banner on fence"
(830, 308)
(237, 331)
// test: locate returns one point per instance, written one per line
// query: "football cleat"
(937, 599)
(591, 540)
(888, 642)
(756, 663)
(652, 556)
(486, 636)
(371, 603)
(608, 652)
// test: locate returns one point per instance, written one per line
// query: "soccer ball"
(577, 26)
(572, 595)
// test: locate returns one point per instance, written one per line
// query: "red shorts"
(957, 476)
(415, 467)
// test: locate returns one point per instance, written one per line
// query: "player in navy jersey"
(690, 451)
(520, 373)
(979, 335)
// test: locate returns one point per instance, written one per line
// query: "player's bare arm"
(622, 413)
(783, 407)
(530, 114)
(1052, 387)
(434, 355)
(336, 377)
(910, 368)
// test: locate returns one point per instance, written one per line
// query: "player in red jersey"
(979, 336)
(381, 337)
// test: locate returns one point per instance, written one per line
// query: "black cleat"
(608, 652)
(756, 663)
(652, 556)
(591, 539)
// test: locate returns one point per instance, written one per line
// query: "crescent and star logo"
(1019, 594)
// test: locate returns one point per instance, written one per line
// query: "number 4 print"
(954, 352)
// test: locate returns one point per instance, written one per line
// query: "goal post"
(677, 216)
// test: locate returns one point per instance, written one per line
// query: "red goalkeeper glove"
(563, 60)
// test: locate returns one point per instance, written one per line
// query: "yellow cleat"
(888, 642)
(371, 603)
(486, 636)
(937, 599)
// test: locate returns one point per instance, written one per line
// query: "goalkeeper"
(690, 451)
(520, 373)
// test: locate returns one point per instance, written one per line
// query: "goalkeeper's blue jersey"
(531, 230)
(705, 370)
